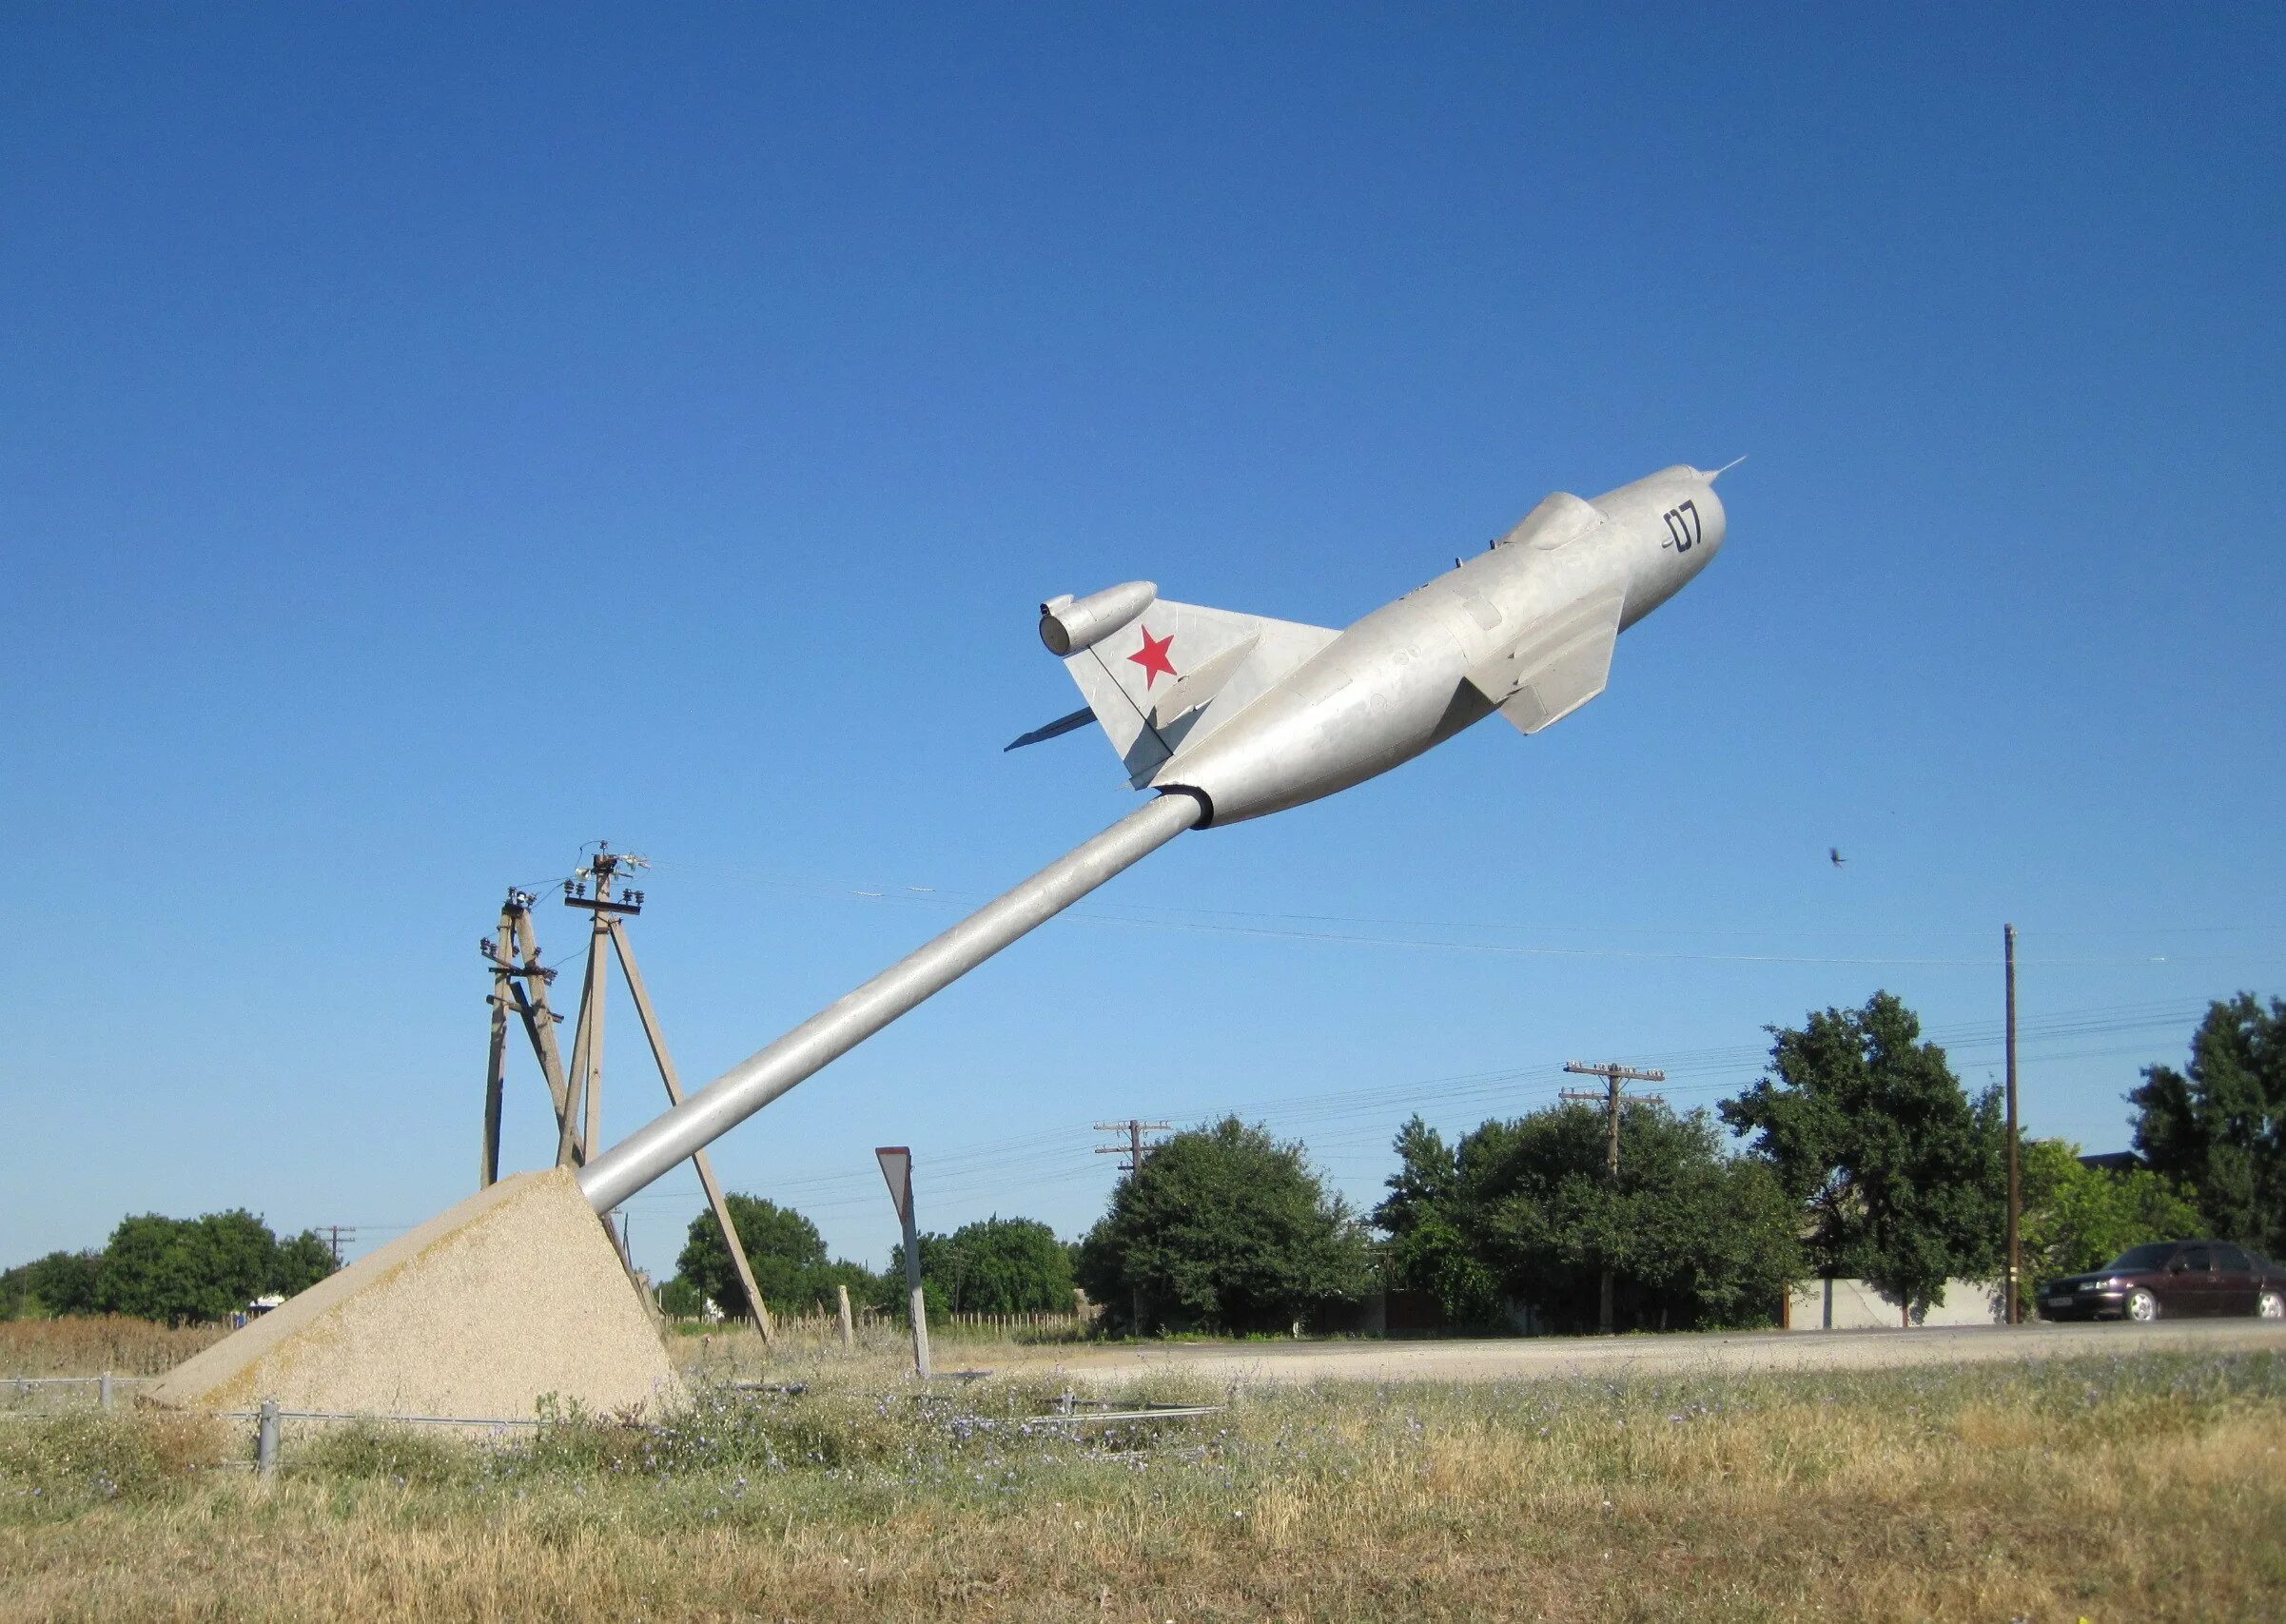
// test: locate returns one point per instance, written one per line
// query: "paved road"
(1490, 1359)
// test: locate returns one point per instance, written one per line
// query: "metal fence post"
(266, 1440)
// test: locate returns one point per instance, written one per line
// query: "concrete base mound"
(513, 1295)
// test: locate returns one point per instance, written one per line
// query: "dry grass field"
(2146, 1485)
(100, 1342)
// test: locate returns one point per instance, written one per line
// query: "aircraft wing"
(1556, 666)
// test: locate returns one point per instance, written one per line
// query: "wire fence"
(872, 1328)
(25, 1397)
(270, 1418)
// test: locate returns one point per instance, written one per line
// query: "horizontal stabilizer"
(1056, 729)
(1556, 667)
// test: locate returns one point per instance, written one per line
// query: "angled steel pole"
(744, 1090)
(757, 1309)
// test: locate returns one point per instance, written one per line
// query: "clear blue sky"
(431, 439)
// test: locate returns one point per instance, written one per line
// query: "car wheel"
(2142, 1306)
(2270, 1306)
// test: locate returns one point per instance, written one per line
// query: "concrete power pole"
(1614, 1076)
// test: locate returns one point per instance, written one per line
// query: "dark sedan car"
(2171, 1277)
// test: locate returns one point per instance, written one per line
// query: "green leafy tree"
(999, 1266)
(48, 1287)
(1225, 1227)
(1902, 1174)
(1428, 1249)
(784, 1249)
(2077, 1217)
(236, 1257)
(174, 1269)
(892, 1293)
(185, 1269)
(2219, 1124)
(680, 1300)
(300, 1264)
(1693, 1236)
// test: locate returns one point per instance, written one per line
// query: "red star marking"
(1153, 658)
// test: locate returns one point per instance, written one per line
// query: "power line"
(1046, 1159)
(1217, 921)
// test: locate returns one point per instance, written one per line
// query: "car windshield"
(2141, 1257)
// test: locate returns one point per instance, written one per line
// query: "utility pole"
(2015, 1306)
(522, 981)
(587, 1034)
(577, 1095)
(1134, 1150)
(1614, 1076)
(501, 951)
(335, 1235)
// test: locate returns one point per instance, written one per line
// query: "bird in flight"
(1835, 852)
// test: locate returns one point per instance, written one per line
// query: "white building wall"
(1855, 1305)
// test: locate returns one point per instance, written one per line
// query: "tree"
(1903, 1175)
(2077, 1217)
(785, 1250)
(1428, 1249)
(680, 1300)
(300, 1263)
(2219, 1124)
(999, 1266)
(1693, 1236)
(184, 1269)
(1227, 1228)
(48, 1287)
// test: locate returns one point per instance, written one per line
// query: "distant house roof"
(2113, 1162)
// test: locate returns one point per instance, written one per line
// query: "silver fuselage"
(1396, 682)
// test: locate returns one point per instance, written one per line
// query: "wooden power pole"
(1134, 1150)
(519, 982)
(2015, 1305)
(1614, 1076)
(577, 1094)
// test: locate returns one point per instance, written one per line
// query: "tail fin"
(1160, 674)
